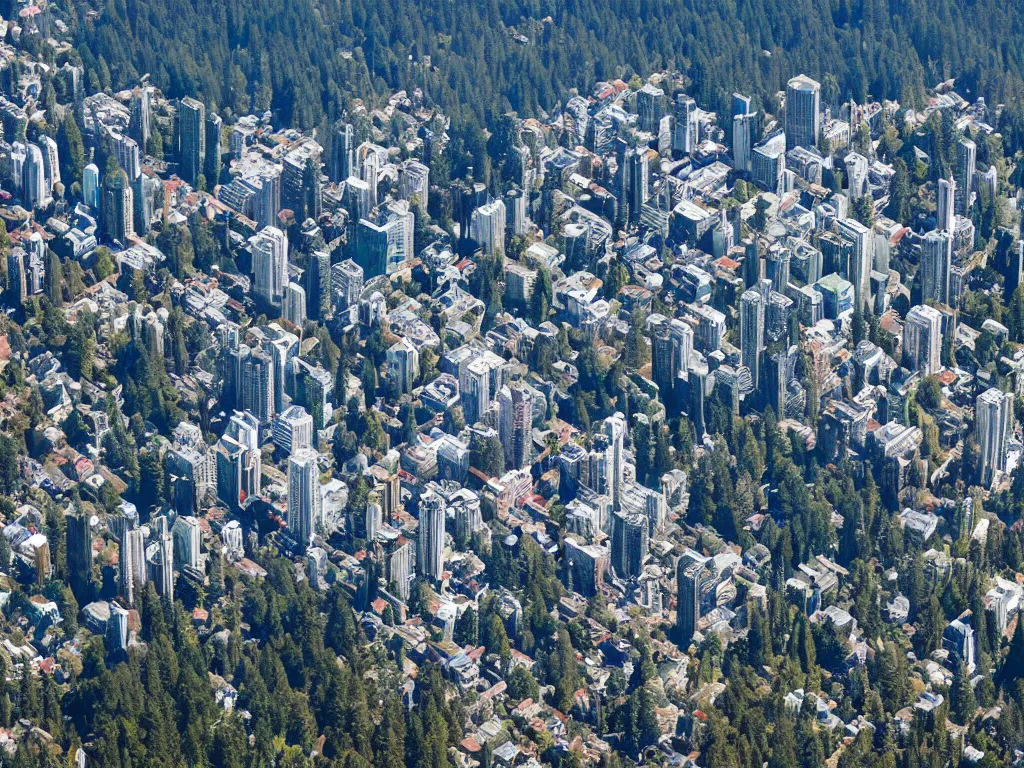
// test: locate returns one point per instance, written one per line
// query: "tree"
(963, 705)
(71, 150)
(899, 200)
(53, 279)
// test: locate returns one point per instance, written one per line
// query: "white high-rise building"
(34, 189)
(303, 495)
(293, 429)
(131, 565)
(430, 538)
(270, 264)
(684, 133)
(188, 539)
(936, 262)
(752, 332)
(515, 422)
(403, 365)
(615, 431)
(922, 340)
(488, 226)
(858, 242)
(966, 153)
(993, 424)
(294, 304)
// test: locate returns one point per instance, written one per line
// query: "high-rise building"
(684, 133)
(858, 252)
(488, 226)
(945, 219)
(187, 536)
(689, 578)
(270, 264)
(126, 150)
(267, 204)
(803, 112)
(966, 155)
(91, 186)
(294, 304)
(79, 554)
(752, 312)
(258, 386)
(636, 180)
(191, 139)
(303, 495)
(430, 538)
(346, 284)
(293, 429)
(650, 106)
(35, 191)
(118, 207)
(993, 424)
(131, 566)
(140, 117)
(212, 162)
(630, 543)
(936, 262)
(615, 432)
(343, 152)
(403, 366)
(414, 182)
(922, 340)
(742, 142)
(51, 161)
(318, 285)
(515, 423)
(239, 463)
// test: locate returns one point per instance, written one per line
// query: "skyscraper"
(343, 152)
(684, 133)
(936, 261)
(131, 566)
(650, 106)
(140, 117)
(117, 207)
(946, 196)
(91, 186)
(430, 538)
(630, 542)
(191, 139)
(212, 157)
(993, 424)
(270, 264)
(303, 495)
(803, 112)
(488, 226)
(752, 332)
(293, 429)
(403, 365)
(515, 421)
(966, 153)
(636, 180)
(922, 340)
(294, 304)
(79, 554)
(742, 142)
(187, 537)
(615, 432)
(689, 577)
(34, 189)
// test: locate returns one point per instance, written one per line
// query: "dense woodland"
(307, 59)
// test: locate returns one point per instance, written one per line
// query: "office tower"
(131, 566)
(270, 264)
(936, 262)
(671, 345)
(585, 566)
(79, 554)
(858, 252)
(488, 227)
(630, 537)
(615, 432)
(212, 162)
(430, 538)
(17, 283)
(515, 213)
(140, 117)
(187, 536)
(689, 578)
(944, 211)
(258, 386)
(318, 285)
(117, 209)
(91, 186)
(346, 284)
(803, 112)
(293, 429)
(636, 172)
(268, 199)
(191, 139)
(742, 142)
(966, 153)
(294, 304)
(752, 312)
(515, 424)
(303, 495)
(684, 134)
(650, 106)
(34, 190)
(343, 152)
(740, 104)
(51, 161)
(414, 182)
(922, 340)
(993, 424)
